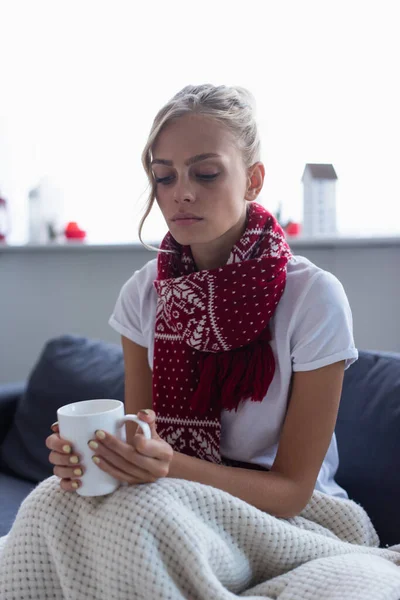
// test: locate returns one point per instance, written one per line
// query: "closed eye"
(164, 180)
(203, 177)
(209, 177)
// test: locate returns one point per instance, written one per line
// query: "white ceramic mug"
(78, 423)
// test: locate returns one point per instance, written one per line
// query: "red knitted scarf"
(212, 337)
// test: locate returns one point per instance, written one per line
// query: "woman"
(234, 349)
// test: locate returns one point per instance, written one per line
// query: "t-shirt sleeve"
(323, 326)
(126, 317)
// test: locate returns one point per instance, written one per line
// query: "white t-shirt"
(312, 327)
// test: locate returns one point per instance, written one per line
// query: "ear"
(255, 181)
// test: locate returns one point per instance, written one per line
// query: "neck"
(215, 254)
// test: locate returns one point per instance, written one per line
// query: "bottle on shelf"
(4, 219)
(36, 230)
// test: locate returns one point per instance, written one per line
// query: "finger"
(67, 485)
(136, 464)
(61, 459)
(153, 448)
(136, 476)
(54, 427)
(55, 442)
(68, 472)
(125, 456)
(111, 442)
(148, 416)
(126, 465)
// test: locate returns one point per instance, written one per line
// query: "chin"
(187, 237)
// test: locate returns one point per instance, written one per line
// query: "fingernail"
(55, 424)
(74, 460)
(95, 459)
(93, 445)
(67, 449)
(78, 472)
(75, 485)
(100, 434)
(146, 411)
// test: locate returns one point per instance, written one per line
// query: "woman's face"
(201, 180)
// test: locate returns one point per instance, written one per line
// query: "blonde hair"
(234, 107)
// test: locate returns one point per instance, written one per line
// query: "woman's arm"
(138, 381)
(307, 432)
(283, 491)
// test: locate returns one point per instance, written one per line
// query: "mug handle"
(144, 426)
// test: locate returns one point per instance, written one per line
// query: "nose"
(184, 193)
(186, 199)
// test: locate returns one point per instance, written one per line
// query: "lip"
(186, 217)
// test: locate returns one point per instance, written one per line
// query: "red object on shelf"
(293, 228)
(74, 232)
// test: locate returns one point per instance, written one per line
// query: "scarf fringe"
(228, 378)
(221, 363)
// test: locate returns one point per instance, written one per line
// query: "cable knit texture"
(178, 540)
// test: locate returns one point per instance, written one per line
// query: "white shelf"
(295, 242)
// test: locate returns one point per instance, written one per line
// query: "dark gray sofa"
(73, 368)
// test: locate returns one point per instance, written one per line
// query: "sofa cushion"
(70, 369)
(368, 437)
(10, 501)
(10, 394)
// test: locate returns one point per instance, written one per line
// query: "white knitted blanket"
(176, 539)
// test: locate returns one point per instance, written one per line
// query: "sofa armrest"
(10, 394)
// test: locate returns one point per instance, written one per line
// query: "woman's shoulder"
(310, 294)
(134, 305)
(315, 317)
(138, 292)
(142, 279)
(306, 280)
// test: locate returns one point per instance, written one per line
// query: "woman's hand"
(66, 461)
(141, 461)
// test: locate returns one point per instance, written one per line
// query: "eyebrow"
(188, 162)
